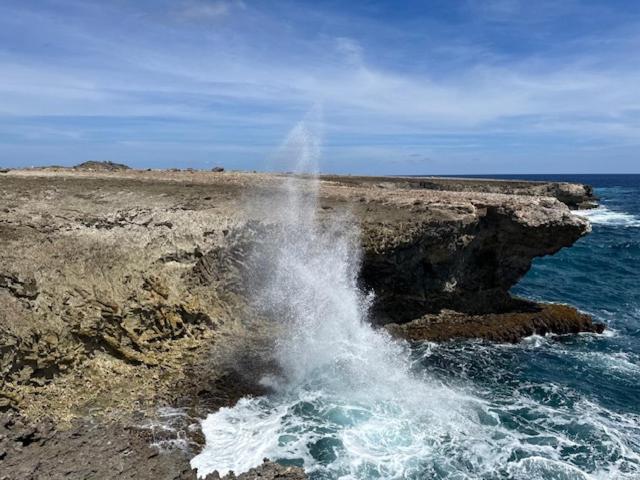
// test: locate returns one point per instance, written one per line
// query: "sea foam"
(604, 216)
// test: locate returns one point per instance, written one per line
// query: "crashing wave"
(604, 216)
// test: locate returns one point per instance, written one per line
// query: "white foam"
(535, 340)
(541, 467)
(433, 432)
(604, 216)
(239, 438)
(168, 429)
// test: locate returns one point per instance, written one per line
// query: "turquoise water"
(361, 406)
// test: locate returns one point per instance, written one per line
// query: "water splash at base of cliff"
(349, 402)
(345, 399)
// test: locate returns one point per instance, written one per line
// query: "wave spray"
(346, 402)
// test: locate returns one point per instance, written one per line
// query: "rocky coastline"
(124, 315)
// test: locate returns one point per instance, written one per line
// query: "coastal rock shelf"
(574, 195)
(122, 290)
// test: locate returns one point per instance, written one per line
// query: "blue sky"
(429, 87)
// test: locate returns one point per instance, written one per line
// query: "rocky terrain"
(574, 195)
(123, 301)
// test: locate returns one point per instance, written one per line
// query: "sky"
(404, 87)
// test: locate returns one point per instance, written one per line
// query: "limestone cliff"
(145, 267)
(123, 290)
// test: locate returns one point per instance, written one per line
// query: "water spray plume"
(329, 352)
(348, 402)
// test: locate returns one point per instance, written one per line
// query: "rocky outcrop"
(94, 165)
(36, 450)
(122, 291)
(522, 321)
(464, 256)
(574, 195)
(145, 269)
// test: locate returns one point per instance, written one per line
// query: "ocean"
(358, 405)
(581, 393)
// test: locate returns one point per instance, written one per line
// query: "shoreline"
(122, 292)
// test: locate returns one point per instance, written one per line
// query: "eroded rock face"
(467, 260)
(145, 271)
(122, 291)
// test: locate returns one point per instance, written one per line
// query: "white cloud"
(229, 76)
(170, 83)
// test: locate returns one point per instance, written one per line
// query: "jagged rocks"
(524, 320)
(34, 360)
(123, 290)
(267, 471)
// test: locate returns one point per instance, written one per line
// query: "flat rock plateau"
(123, 307)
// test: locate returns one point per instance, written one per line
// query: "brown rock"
(94, 165)
(123, 290)
(511, 327)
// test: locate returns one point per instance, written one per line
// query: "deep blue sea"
(578, 394)
(359, 405)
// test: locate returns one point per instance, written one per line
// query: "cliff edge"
(122, 290)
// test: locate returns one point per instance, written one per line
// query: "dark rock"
(38, 450)
(217, 169)
(467, 262)
(107, 166)
(268, 471)
(528, 319)
(19, 286)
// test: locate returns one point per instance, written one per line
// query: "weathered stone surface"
(574, 195)
(467, 258)
(19, 287)
(267, 471)
(37, 450)
(525, 320)
(124, 290)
